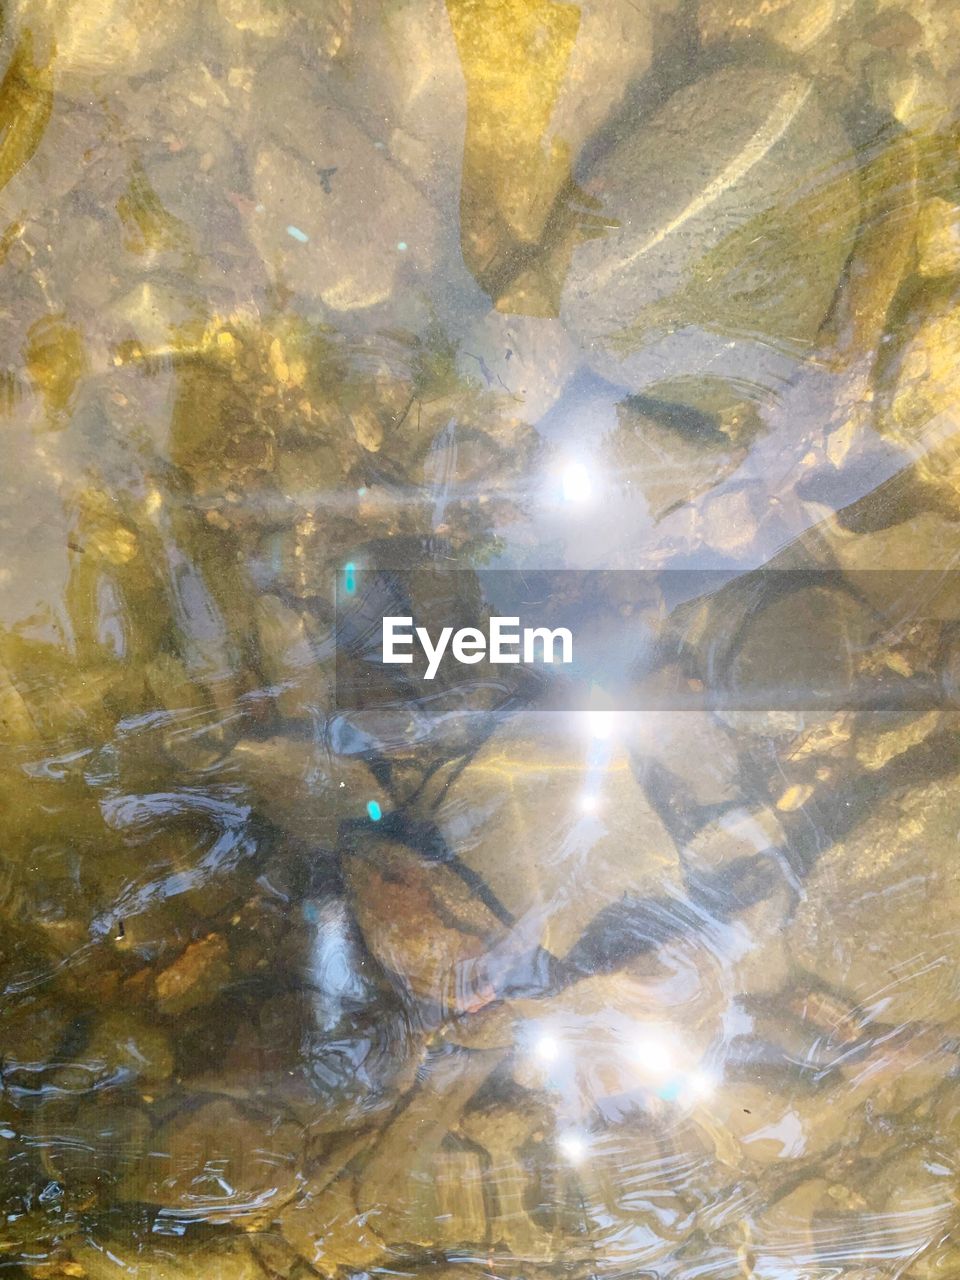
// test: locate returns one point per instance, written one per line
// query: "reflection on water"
(417, 986)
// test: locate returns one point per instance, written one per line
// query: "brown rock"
(195, 977)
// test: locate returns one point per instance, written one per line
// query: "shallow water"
(314, 312)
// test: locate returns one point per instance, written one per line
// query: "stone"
(540, 81)
(124, 1050)
(918, 390)
(195, 977)
(301, 682)
(110, 39)
(669, 463)
(671, 288)
(428, 927)
(513, 1137)
(524, 358)
(557, 831)
(876, 909)
(938, 238)
(92, 1149)
(793, 24)
(614, 1046)
(305, 790)
(905, 569)
(773, 1120)
(109, 1258)
(410, 1151)
(220, 1162)
(883, 252)
(316, 233)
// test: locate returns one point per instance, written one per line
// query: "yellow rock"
(878, 910)
(938, 238)
(129, 37)
(515, 54)
(919, 393)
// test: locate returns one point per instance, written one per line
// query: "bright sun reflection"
(655, 1055)
(576, 483)
(700, 1084)
(573, 1146)
(547, 1048)
(601, 724)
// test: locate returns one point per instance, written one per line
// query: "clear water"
(309, 967)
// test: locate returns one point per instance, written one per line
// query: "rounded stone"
(718, 231)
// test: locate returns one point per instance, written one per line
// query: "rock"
(315, 230)
(738, 833)
(56, 362)
(612, 1046)
(874, 917)
(894, 1071)
(195, 977)
(905, 569)
(938, 238)
(110, 1258)
(123, 1049)
(775, 1120)
(540, 81)
(663, 300)
(557, 831)
(402, 1179)
(113, 38)
(828, 632)
(794, 24)
(883, 1214)
(301, 683)
(788, 1228)
(91, 1149)
(755, 955)
(428, 927)
(32, 1036)
(669, 463)
(409, 1154)
(305, 790)
(259, 17)
(514, 1140)
(328, 1233)
(883, 253)
(414, 106)
(514, 60)
(918, 390)
(614, 46)
(524, 358)
(938, 36)
(693, 750)
(218, 1163)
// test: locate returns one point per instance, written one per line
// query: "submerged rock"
(426, 926)
(557, 830)
(716, 266)
(313, 228)
(109, 1258)
(219, 1162)
(874, 920)
(304, 789)
(794, 24)
(918, 384)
